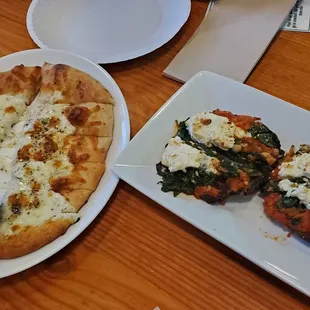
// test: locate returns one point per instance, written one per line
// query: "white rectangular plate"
(241, 223)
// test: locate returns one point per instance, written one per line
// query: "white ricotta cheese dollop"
(298, 190)
(178, 156)
(298, 167)
(211, 129)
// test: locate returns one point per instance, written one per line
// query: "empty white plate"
(106, 31)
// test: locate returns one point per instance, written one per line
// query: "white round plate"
(106, 31)
(108, 182)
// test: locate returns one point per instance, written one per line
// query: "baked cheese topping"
(298, 190)
(7, 156)
(13, 135)
(297, 168)
(11, 109)
(8, 150)
(6, 159)
(40, 172)
(44, 112)
(30, 178)
(178, 156)
(45, 130)
(211, 129)
(38, 208)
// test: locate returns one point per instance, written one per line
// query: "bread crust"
(75, 86)
(21, 80)
(76, 197)
(88, 149)
(91, 119)
(32, 238)
(84, 176)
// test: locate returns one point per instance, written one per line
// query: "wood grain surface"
(136, 255)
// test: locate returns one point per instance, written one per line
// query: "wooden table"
(136, 255)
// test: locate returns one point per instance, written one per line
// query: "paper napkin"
(231, 39)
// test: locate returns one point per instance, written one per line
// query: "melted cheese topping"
(6, 158)
(298, 190)
(40, 172)
(11, 110)
(43, 111)
(178, 156)
(31, 178)
(4, 127)
(13, 135)
(298, 167)
(51, 206)
(211, 129)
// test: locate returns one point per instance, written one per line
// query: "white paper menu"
(299, 17)
(297, 20)
(231, 39)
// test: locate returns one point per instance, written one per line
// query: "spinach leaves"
(183, 132)
(184, 182)
(296, 221)
(231, 163)
(265, 135)
(289, 202)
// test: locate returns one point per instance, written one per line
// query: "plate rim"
(119, 167)
(114, 179)
(145, 49)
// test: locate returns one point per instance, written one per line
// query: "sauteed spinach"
(265, 135)
(231, 163)
(184, 182)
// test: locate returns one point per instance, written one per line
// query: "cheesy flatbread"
(59, 159)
